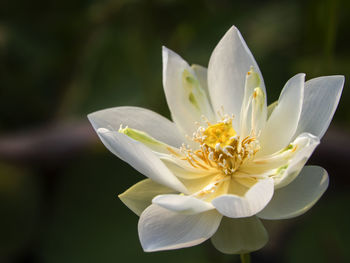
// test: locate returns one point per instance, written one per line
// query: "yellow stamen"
(221, 133)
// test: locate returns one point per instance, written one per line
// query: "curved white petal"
(240, 235)
(228, 66)
(161, 229)
(186, 99)
(280, 164)
(299, 196)
(321, 98)
(202, 75)
(140, 157)
(138, 197)
(254, 200)
(141, 119)
(283, 122)
(182, 203)
(308, 142)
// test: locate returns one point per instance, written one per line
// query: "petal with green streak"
(140, 157)
(144, 120)
(202, 75)
(186, 99)
(148, 140)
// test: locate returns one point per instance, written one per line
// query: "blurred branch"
(50, 144)
(61, 141)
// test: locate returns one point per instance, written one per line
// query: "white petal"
(202, 75)
(254, 110)
(228, 66)
(182, 203)
(138, 197)
(309, 143)
(140, 157)
(272, 165)
(186, 99)
(141, 119)
(152, 143)
(282, 123)
(321, 98)
(299, 196)
(240, 235)
(254, 200)
(161, 229)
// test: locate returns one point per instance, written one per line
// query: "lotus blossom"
(226, 160)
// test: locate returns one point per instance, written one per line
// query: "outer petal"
(140, 157)
(182, 203)
(240, 235)
(299, 196)
(186, 98)
(282, 165)
(145, 120)
(321, 98)
(298, 162)
(254, 200)
(138, 197)
(161, 229)
(228, 66)
(282, 123)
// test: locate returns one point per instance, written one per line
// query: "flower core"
(221, 147)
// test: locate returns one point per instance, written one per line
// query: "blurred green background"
(60, 60)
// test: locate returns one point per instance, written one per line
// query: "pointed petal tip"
(92, 117)
(233, 32)
(166, 51)
(300, 75)
(341, 78)
(233, 28)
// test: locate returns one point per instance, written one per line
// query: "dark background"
(60, 60)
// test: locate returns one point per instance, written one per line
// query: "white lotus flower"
(227, 159)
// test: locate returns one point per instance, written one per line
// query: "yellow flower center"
(221, 147)
(222, 133)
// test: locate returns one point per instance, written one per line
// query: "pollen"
(221, 133)
(221, 147)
